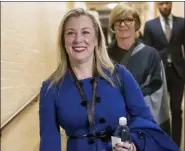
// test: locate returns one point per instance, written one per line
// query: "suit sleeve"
(133, 96)
(50, 139)
(153, 87)
(153, 81)
(147, 36)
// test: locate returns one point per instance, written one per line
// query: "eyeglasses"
(127, 21)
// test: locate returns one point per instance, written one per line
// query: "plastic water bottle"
(122, 131)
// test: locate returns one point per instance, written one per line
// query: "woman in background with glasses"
(143, 61)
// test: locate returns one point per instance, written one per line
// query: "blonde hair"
(101, 55)
(122, 10)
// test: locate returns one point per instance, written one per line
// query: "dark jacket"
(155, 37)
(146, 66)
(144, 63)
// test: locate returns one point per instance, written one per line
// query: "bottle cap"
(122, 121)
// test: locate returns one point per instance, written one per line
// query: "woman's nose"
(122, 23)
(78, 38)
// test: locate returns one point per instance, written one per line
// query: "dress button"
(81, 84)
(102, 120)
(91, 141)
(98, 99)
(141, 135)
(84, 103)
(92, 81)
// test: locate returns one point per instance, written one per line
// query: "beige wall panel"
(178, 9)
(28, 38)
(28, 56)
(22, 58)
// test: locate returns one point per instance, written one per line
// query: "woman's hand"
(124, 146)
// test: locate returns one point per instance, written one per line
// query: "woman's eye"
(70, 33)
(129, 19)
(86, 32)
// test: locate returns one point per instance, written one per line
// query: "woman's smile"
(78, 49)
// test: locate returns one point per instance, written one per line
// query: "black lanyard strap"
(90, 107)
(127, 55)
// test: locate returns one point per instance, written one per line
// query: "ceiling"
(98, 5)
(104, 5)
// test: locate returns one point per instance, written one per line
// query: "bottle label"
(115, 140)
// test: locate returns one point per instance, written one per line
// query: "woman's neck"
(125, 43)
(82, 70)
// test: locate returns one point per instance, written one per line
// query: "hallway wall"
(178, 9)
(28, 40)
(28, 47)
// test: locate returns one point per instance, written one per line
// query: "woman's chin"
(79, 59)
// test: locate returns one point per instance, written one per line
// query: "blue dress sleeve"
(145, 133)
(50, 138)
(134, 99)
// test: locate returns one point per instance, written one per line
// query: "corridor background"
(28, 56)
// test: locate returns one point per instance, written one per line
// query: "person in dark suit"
(166, 34)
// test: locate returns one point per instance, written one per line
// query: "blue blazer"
(155, 37)
(60, 106)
